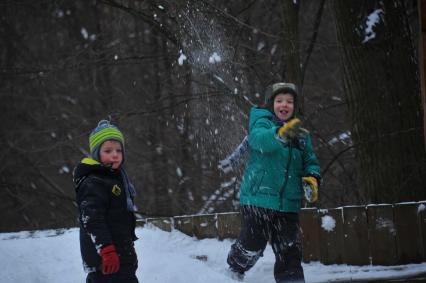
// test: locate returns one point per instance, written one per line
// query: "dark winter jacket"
(273, 175)
(103, 214)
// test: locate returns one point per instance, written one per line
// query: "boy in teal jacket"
(281, 160)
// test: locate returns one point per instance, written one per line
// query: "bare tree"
(382, 89)
(179, 79)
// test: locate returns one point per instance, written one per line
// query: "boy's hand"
(310, 186)
(110, 259)
(290, 129)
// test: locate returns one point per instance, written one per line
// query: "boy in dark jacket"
(105, 199)
(281, 161)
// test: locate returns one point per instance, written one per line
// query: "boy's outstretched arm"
(233, 160)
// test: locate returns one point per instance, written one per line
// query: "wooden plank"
(382, 231)
(355, 236)
(421, 211)
(331, 236)
(164, 223)
(205, 226)
(309, 225)
(228, 225)
(407, 233)
(184, 224)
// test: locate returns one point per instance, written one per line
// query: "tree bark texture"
(382, 88)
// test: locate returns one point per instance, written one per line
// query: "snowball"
(328, 223)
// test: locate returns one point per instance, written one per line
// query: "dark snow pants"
(281, 229)
(126, 274)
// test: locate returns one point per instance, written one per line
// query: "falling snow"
(214, 58)
(372, 20)
(84, 33)
(58, 13)
(64, 169)
(181, 58)
(179, 172)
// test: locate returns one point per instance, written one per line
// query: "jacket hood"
(89, 166)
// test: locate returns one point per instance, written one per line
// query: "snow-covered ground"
(49, 256)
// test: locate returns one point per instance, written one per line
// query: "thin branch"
(335, 158)
(240, 22)
(311, 46)
(146, 18)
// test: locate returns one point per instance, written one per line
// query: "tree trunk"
(422, 59)
(383, 93)
(290, 39)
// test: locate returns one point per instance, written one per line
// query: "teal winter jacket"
(274, 171)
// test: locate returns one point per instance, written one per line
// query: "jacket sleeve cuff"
(316, 176)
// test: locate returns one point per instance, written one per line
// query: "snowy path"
(44, 257)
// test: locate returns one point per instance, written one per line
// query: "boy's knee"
(240, 259)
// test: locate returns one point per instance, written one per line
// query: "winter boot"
(290, 277)
(235, 275)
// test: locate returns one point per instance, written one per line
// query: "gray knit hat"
(274, 89)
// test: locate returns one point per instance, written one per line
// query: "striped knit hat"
(103, 132)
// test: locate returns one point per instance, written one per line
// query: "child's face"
(284, 106)
(111, 154)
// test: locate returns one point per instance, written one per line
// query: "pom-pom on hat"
(103, 132)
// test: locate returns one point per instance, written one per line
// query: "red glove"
(110, 260)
